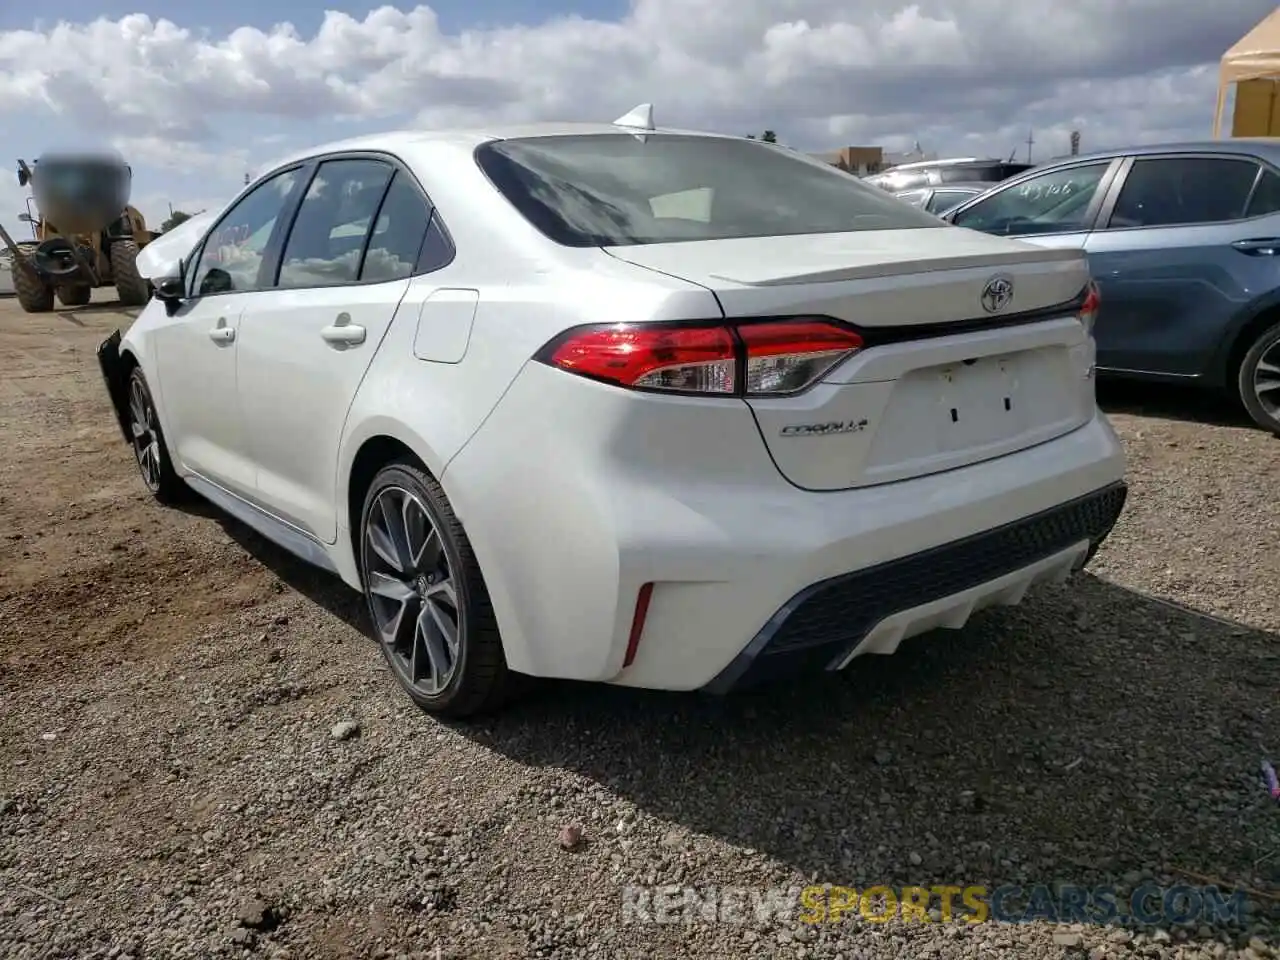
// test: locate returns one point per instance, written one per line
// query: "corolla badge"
(997, 294)
(823, 429)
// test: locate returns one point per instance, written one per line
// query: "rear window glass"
(618, 190)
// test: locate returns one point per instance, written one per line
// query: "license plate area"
(979, 401)
(940, 416)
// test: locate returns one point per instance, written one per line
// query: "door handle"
(343, 332)
(222, 333)
(1260, 247)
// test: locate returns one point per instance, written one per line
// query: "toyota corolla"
(624, 404)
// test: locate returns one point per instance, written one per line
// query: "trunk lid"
(930, 392)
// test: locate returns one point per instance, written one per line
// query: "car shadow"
(319, 586)
(1171, 402)
(1061, 741)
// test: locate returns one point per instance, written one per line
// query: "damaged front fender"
(115, 374)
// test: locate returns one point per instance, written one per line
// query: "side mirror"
(171, 288)
(171, 291)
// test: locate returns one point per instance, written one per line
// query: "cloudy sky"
(196, 93)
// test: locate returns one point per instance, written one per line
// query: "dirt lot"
(170, 684)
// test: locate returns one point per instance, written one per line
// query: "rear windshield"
(606, 190)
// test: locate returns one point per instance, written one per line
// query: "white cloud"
(958, 75)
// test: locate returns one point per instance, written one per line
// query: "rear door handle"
(1261, 247)
(343, 332)
(222, 333)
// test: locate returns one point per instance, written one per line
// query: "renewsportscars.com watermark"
(1148, 904)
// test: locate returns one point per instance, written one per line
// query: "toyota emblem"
(997, 294)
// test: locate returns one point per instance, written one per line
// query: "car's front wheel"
(149, 447)
(427, 599)
(1259, 380)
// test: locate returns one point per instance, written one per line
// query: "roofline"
(482, 135)
(1241, 145)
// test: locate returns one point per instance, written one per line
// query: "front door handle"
(343, 332)
(1260, 247)
(222, 333)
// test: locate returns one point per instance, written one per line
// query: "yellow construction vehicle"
(86, 233)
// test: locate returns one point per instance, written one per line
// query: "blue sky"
(219, 88)
(227, 15)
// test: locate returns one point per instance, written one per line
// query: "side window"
(944, 200)
(397, 238)
(1053, 202)
(1266, 195)
(913, 197)
(1165, 191)
(232, 255)
(437, 248)
(328, 235)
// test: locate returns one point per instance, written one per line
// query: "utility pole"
(1030, 141)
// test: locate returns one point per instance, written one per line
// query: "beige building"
(864, 161)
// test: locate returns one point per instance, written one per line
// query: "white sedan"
(617, 403)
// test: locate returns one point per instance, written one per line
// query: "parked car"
(940, 199)
(925, 173)
(1184, 242)
(612, 403)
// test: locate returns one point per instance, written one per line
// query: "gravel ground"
(201, 756)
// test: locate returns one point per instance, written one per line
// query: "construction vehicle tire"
(131, 286)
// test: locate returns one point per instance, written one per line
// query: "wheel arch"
(374, 454)
(1244, 336)
(367, 449)
(133, 355)
(377, 447)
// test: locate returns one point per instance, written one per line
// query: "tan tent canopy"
(1255, 57)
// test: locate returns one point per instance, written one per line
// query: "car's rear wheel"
(1259, 380)
(149, 447)
(427, 599)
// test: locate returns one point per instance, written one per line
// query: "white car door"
(196, 347)
(306, 344)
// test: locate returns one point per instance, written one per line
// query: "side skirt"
(277, 531)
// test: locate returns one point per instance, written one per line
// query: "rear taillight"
(766, 358)
(1089, 309)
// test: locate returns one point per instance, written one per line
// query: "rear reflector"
(769, 358)
(637, 623)
(1089, 309)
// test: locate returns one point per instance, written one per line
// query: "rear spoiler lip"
(878, 271)
(946, 328)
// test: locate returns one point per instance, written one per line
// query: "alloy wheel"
(412, 594)
(1266, 381)
(146, 435)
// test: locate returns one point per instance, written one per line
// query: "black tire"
(131, 286)
(33, 295)
(479, 680)
(149, 447)
(1255, 370)
(74, 296)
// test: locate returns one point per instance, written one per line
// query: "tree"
(175, 218)
(770, 137)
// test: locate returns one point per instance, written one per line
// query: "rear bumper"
(827, 624)
(679, 493)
